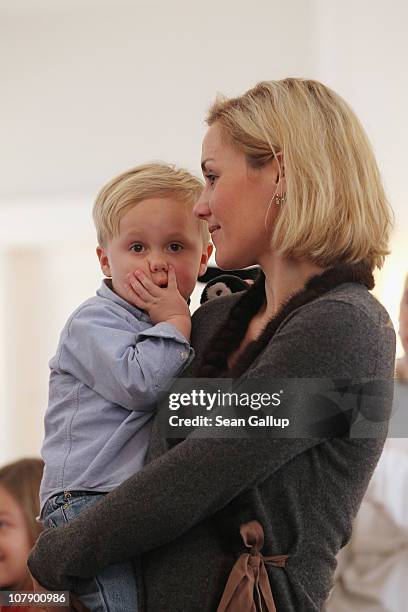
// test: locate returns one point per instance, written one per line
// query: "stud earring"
(280, 199)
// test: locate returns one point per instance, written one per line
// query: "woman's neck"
(283, 278)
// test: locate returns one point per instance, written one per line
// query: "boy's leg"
(112, 590)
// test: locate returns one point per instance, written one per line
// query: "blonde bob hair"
(151, 180)
(336, 210)
(21, 480)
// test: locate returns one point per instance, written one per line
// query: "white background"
(92, 87)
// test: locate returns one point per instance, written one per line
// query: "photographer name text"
(220, 421)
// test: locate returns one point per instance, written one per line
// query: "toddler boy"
(119, 349)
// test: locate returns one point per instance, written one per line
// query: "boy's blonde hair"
(336, 210)
(21, 480)
(151, 180)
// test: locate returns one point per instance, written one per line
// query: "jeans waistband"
(82, 493)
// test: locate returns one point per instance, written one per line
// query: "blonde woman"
(255, 524)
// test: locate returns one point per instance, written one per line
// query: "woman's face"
(235, 202)
(15, 543)
(403, 319)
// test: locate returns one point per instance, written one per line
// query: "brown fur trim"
(228, 338)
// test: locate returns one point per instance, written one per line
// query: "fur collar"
(228, 338)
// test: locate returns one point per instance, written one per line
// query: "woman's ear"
(280, 180)
(205, 256)
(103, 261)
(279, 166)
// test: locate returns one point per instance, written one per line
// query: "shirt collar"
(106, 291)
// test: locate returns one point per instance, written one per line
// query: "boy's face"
(151, 235)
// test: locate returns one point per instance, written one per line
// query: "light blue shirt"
(110, 367)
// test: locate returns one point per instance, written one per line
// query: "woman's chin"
(227, 263)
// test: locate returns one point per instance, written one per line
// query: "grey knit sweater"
(182, 512)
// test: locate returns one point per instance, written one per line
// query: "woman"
(291, 185)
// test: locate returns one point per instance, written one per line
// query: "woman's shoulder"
(355, 297)
(345, 330)
(357, 319)
(344, 310)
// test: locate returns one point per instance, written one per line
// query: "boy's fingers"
(171, 278)
(133, 296)
(147, 283)
(139, 288)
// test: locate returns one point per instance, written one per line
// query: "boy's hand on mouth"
(163, 304)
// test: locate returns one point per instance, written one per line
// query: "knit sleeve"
(198, 477)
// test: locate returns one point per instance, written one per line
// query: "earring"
(280, 199)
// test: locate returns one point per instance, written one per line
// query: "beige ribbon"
(248, 588)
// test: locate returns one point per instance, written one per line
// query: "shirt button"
(183, 354)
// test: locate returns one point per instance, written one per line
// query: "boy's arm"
(120, 361)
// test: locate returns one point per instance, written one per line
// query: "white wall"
(363, 51)
(91, 87)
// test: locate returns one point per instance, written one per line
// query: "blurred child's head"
(403, 317)
(19, 505)
(144, 220)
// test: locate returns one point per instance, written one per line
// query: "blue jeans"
(114, 589)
